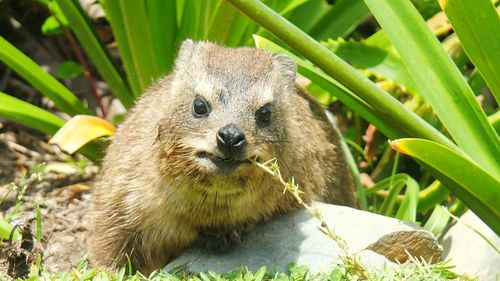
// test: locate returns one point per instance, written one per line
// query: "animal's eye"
(200, 107)
(263, 115)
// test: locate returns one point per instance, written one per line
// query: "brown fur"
(154, 196)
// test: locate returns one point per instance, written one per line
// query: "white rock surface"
(469, 252)
(294, 238)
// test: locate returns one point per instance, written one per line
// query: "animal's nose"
(230, 139)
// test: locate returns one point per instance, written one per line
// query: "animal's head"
(228, 105)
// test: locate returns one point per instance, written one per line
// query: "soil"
(63, 194)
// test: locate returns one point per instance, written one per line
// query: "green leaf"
(193, 18)
(138, 34)
(431, 196)
(476, 23)
(340, 20)
(408, 209)
(494, 119)
(336, 274)
(6, 229)
(41, 80)
(69, 69)
(114, 16)
(394, 184)
(360, 190)
(95, 49)
(51, 27)
(377, 61)
(226, 25)
(259, 275)
(472, 184)
(438, 220)
(309, 14)
(80, 130)
(29, 115)
(163, 23)
(402, 119)
(290, 6)
(439, 81)
(39, 233)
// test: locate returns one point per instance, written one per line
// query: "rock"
(373, 261)
(469, 252)
(294, 238)
(396, 245)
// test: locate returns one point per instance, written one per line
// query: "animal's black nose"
(230, 139)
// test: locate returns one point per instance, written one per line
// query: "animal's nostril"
(239, 140)
(222, 137)
(230, 136)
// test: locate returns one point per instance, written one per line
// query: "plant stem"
(86, 71)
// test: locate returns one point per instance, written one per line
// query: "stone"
(295, 238)
(469, 252)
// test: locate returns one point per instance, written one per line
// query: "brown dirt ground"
(63, 195)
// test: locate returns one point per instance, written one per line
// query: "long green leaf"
(340, 20)
(6, 229)
(408, 209)
(63, 98)
(193, 18)
(95, 49)
(309, 14)
(403, 119)
(394, 184)
(477, 24)
(163, 23)
(494, 119)
(377, 61)
(439, 81)
(472, 184)
(29, 115)
(438, 221)
(138, 34)
(226, 23)
(115, 17)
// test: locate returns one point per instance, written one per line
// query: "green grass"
(414, 270)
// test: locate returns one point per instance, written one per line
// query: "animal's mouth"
(221, 162)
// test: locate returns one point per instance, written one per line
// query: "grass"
(414, 270)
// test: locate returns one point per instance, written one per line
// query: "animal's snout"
(230, 139)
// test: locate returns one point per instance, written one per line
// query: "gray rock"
(294, 238)
(469, 252)
(375, 262)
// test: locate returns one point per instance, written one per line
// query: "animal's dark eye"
(263, 115)
(200, 107)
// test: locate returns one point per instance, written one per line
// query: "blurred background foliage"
(414, 85)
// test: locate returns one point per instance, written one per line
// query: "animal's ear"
(286, 66)
(185, 52)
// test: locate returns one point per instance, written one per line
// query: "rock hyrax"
(177, 168)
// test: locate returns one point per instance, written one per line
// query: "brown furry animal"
(178, 166)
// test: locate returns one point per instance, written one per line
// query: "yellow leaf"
(80, 130)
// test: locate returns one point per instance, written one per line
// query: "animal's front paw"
(222, 240)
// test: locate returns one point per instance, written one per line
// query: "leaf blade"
(80, 130)
(439, 81)
(63, 98)
(478, 189)
(478, 33)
